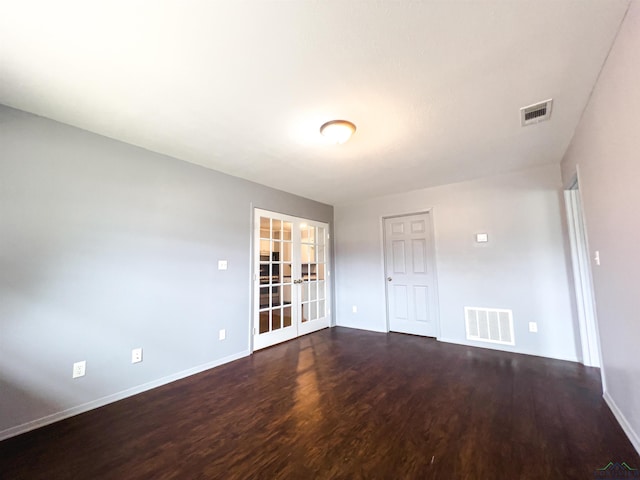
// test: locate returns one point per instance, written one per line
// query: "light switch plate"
(482, 237)
(222, 264)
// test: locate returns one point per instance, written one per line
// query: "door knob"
(389, 279)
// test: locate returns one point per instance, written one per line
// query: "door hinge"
(254, 330)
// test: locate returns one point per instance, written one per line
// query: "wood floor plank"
(343, 403)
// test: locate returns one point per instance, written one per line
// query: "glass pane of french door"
(313, 267)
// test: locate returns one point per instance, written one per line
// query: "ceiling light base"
(338, 131)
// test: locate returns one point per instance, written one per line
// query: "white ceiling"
(434, 87)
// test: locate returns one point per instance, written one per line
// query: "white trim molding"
(100, 402)
(633, 436)
(505, 348)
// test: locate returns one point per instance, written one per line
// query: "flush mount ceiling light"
(338, 131)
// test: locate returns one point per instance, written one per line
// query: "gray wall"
(105, 247)
(523, 267)
(606, 150)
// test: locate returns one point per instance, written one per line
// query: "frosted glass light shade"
(338, 131)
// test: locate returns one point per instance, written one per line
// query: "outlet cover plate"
(79, 369)
(136, 355)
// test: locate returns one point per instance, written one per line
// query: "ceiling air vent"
(535, 113)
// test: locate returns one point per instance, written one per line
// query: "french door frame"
(308, 284)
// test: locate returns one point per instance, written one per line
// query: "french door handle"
(298, 281)
(389, 279)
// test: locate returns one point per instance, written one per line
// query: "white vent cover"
(489, 325)
(538, 112)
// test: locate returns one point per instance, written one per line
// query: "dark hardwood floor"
(343, 403)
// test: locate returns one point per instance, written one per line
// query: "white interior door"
(291, 288)
(585, 300)
(409, 268)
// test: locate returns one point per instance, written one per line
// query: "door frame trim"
(434, 251)
(582, 278)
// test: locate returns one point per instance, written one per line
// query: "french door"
(291, 286)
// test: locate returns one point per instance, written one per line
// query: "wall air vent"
(491, 325)
(538, 112)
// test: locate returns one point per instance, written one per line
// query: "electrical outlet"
(533, 327)
(222, 334)
(354, 309)
(136, 355)
(222, 264)
(79, 369)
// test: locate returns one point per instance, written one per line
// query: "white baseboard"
(360, 327)
(100, 402)
(504, 349)
(622, 420)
